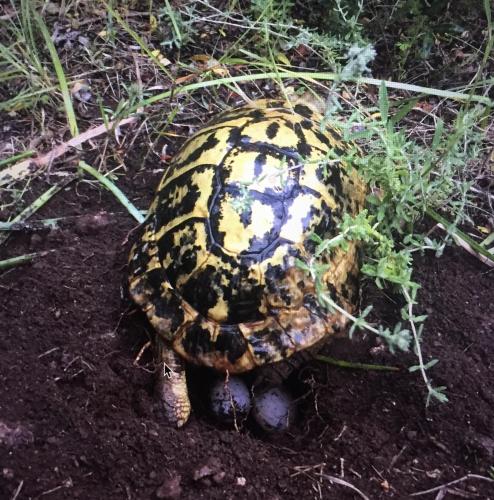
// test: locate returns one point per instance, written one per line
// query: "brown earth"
(78, 418)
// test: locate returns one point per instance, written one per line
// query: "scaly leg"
(171, 386)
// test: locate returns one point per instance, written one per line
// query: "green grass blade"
(33, 226)
(16, 261)
(383, 102)
(356, 366)
(402, 110)
(17, 157)
(485, 243)
(114, 190)
(137, 39)
(38, 203)
(170, 13)
(10, 61)
(62, 80)
(460, 234)
(27, 32)
(35, 205)
(24, 98)
(310, 76)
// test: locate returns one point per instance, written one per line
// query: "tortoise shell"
(215, 269)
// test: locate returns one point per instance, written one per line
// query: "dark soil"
(78, 418)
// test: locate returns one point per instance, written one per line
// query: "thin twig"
(456, 481)
(307, 470)
(18, 490)
(25, 167)
(461, 242)
(342, 482)
(416, 337)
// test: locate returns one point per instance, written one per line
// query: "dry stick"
(332, 479)
(22, 259)
(342, 482)
(18, 490)
(462, 239)
(467, 247)
(456, 481)
(23, 168)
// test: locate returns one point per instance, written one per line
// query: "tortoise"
(215, 269)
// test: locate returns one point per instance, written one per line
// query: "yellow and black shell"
(215, 269)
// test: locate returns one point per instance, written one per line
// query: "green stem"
(16, 261)
(17, 157)
(114, 190)
(349, 316)
(309, 76)
(357, 366)
(35, 205)
(459, 234)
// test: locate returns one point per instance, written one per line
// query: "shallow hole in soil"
(200, 381)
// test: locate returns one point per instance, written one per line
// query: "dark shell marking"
(215, 267)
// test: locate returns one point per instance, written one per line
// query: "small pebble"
(273, 409)
(7, 473)
(230, 400)
(212, 468)
(92, 223)
(202, 472)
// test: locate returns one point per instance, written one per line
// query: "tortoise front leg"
(171, 386)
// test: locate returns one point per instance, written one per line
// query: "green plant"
(406, 180)
(279, 12)
(177, 28)
(62, 80)
(108, 184)
(24, 76)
